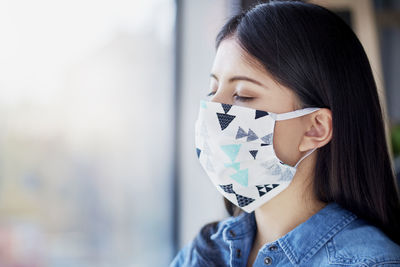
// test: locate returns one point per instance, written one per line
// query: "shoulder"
(365, 244)
(210, 246)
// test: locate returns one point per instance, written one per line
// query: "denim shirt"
(332, 237)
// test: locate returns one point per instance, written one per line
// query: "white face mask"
(235, 147)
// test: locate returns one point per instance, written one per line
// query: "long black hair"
(316, 54)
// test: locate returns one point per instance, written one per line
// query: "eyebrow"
(236, 78)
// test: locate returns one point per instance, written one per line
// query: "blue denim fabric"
(332, 237)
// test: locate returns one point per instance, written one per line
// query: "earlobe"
(319, 131)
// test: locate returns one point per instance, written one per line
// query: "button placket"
(268, 254)
(238, 253)
(236, 247)
(267, 260)
(273, 248)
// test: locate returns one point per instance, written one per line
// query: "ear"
(319, 130)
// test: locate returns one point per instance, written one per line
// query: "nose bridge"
(223, 95)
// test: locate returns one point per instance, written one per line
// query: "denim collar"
(301, 243)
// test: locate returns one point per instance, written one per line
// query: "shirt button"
(268, 261)
(273, 248)
(232, 233)
(238, 253)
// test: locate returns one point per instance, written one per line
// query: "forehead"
(231, 59)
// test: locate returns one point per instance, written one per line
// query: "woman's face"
(236, 81)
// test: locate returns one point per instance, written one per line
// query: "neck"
(291, 207)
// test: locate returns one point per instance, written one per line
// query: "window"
(86, 108)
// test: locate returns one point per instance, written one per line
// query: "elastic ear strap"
(306, 155)
(294, 114)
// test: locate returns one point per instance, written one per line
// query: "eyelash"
(211, 94)
(239, 98)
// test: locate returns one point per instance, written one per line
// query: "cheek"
(287, 137)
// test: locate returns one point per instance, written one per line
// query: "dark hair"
(316, 54)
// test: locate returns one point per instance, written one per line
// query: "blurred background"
(98, 101)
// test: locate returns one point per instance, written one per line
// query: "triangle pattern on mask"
(235, 165)
(240, 133)
(226, 107)
(267, 140)
(241, 177)
(275, 170)
(272, 167)
(253, 153)
(203, 104)
(224, 120)
(287, 175)
(263, 189)
(269, 187)
(231, 150)
(198, 152)
(251, 136)
(243, 201)
(260, 113)
(227, 188)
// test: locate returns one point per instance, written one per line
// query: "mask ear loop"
(292, 115)
(306, 155)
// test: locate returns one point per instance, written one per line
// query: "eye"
(210, 94)
(243, 98)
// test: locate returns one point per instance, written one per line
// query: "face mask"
(235, 147)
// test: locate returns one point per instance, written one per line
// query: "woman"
(293, 137)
